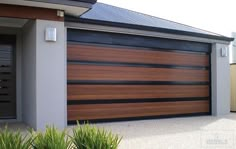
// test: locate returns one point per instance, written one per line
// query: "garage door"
(124, 77)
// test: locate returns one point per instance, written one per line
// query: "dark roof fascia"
(148, 28)
(86, 1)
(76, 3)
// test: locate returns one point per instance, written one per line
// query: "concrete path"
(203, 132)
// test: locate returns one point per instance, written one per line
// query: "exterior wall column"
(29, 74)
(220, 72)
(50, 76)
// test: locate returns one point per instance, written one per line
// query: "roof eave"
(148, 28)
(76, 3)
(75, 8)
(86, 1)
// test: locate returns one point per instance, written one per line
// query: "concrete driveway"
(203, 132)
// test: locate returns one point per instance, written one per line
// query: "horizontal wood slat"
(5, 98)
(138, 100)
(4, 91)
(5, 49)
(109, 92)
(90, 72)
(5, 84)
(112, 82)
(5, 69)
(97, 53)
(5, 62)
(7, 73)
(105, 111)
(5, 76)
(108, 38)
(10, 107)
(5, 55)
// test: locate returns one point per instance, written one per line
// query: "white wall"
(50, 76)
(220, 81)
(29, 74)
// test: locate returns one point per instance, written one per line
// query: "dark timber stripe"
(85, 36)
(5, 101)
(135, 48)
(105, 82)
(113, 101)
(135, 65)
(210, 82)
(71, 122)
(142, 106)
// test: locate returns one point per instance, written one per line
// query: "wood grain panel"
(105, 111)
(5, 97)
(5, 62)
(97, 53)
(5, 107)
(85, 36)
(5, 55)
(5, 69)
(4, 91)
(111, 55)
(29, 12)
(91, 72)
(233, 87)
(109, 92)
(5, 83)
(5, 76)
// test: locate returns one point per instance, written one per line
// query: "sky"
(217, 16)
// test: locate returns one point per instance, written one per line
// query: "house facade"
(77, 60)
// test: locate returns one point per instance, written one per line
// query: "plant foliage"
(52, 138)
(14, 140)
(84, 137)
(90, 137)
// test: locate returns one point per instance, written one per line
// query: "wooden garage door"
(117, 82)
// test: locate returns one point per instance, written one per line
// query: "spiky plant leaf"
(14, 139)
(90, 137)
(52, 138)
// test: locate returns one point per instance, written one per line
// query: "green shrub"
(52, 138)
(14, 140)
(90, 137)
(84, 137)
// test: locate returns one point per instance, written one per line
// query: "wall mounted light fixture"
(60, 13)
(224, 52)
(51, 34)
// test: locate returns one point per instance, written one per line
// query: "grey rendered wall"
(29, 74)
(44, 76)
(220, 81)
(50, 76)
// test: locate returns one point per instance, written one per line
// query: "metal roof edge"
(148, 28)
(74, 8)
(79, 3)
